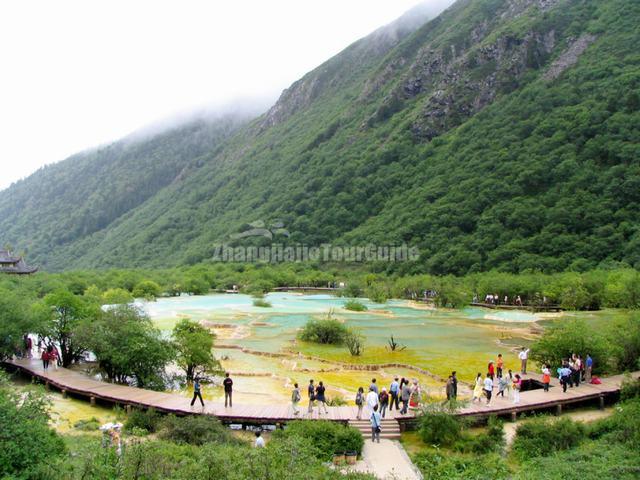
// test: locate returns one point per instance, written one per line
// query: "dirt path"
(387, 460)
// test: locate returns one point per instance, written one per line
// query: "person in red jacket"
(491, 371)
(45, 359)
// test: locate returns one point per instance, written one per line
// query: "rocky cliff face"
(451, 81)
(344, 68)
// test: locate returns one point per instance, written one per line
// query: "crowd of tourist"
(47, 351)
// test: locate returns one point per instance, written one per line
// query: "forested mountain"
(501, 134)
(69, 200)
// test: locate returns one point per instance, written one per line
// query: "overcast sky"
(76, 74)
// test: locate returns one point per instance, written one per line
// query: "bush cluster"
(147, 420)
(325, 331)
(326, 437)
(543, 436)
(195, 430)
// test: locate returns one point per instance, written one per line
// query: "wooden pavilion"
(10, 263)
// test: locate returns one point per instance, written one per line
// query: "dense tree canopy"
(127, 346)
(194, 348)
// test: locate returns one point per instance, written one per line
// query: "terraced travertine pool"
(259, 346)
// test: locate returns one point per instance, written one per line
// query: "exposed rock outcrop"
(569, 57)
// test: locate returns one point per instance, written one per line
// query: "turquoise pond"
(435, 340)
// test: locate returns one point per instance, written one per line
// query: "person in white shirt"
(488, 388)
(259, 440)
(523, 356)
(372, 400)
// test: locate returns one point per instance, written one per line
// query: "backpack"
(359, 399)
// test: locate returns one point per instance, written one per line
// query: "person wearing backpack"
(295, 399)
(384, 401)
(375, 424)
(405, 393)
(360, 402)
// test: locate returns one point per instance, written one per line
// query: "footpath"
(386, 460)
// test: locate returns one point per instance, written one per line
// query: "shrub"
(437, 465)
(326, 437)
(147, 420)
(437, 426)
(630, 388)
(624, 336)
(592, 461)
(351, 290)
(492, 440)
(542, 436)
(355, 306)
(147, 289)
(336, 401)
(28, 444)
(355, 343)
(195, 430)
(623, 426)
(377, 293)
(259, 302)
(87, 425)
(326, 331)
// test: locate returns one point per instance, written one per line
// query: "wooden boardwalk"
(305, 289)
(531, 308)
(76, 383)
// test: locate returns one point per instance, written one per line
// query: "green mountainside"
(502, 134)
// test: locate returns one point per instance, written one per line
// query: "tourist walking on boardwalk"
(577, 369)
(546, 377)
(372, 399)
(228, 389)
(517, 387)
(360, 402)
(509, 386)
(502, 385)
(383, 398)
(376, 422)
(374, 385)
(588, 368)
(45, 359)
(488, 388)
(449, 388)
(295, 399)
(454, 381)
(491, 371)
(53, 356)
(394, 392)
(477, 389)
(405, 393)
(499, 366)
(416, 395)
(321, 398)
(196, 392)
(311, 391)
(28, 345)
(564, 375)
(523, 356)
